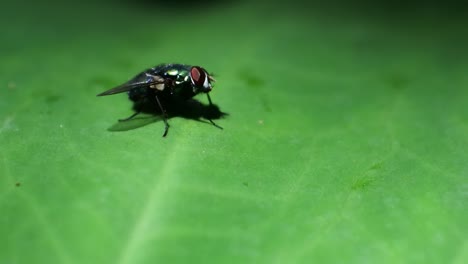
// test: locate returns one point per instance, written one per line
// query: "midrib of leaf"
(150, 211)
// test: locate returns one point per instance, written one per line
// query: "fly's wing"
(141, 80)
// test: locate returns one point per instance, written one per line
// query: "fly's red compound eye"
(198, 76)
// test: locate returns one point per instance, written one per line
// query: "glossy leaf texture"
(346, 139)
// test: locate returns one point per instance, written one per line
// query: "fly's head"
(201, 80)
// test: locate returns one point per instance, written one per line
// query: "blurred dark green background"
(346, 140)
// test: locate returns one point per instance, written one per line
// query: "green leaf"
(346, 139)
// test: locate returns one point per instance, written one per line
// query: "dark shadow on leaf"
(194, 109)
(189, 109)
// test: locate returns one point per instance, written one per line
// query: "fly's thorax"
(178, 75)
(181, 79)
(178, 79)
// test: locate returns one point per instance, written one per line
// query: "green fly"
(161, 88)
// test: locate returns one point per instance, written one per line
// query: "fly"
(162, 87)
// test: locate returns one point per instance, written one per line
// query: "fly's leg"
(166, 125)
(209, 99)
(214, 124)
(130, 117)
(211, 105)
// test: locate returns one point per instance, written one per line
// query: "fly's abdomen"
(138, 94)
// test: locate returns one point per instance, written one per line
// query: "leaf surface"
(346, 139)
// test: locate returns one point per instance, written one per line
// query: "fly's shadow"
(189, 109)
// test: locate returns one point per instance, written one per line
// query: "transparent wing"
(141, 80)
(126, 87)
